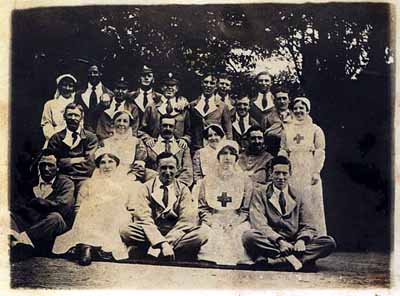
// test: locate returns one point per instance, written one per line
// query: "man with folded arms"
(74, 147)
(283, 236)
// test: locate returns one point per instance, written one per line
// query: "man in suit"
(41, 212)
(224, 88)
(242, 122)
(274, 121)
(89, 98)
(164, 217)
(263, 101)
(109, 105)
(74, 147)
(172, 106)
(167, 142)
(145, 94)
(255, 160)
(283, 235)
(207, 109)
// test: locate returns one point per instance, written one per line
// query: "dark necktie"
(241, 125)
(264, 101)
(282, 202)
(74, 137)
(93, 98)
(167, 146)
(165, 195)
(117, 104)
(206, 106)
(145, 99)
(169, 108)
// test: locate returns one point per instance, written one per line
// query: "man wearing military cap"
(109, 105)
(41, 212)
(170, 105)
(145, 94)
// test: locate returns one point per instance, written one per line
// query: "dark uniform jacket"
(89, 111)
(61, 199)
(217, 114)
(65, 154)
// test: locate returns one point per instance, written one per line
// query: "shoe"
(20, 252)
(278, 264)
(310, 267)
(85, 257)
(261, 261)
(245, 263)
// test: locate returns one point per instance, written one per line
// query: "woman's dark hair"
(99, 158)
(119, 113)
(231, 149)
(216, 129)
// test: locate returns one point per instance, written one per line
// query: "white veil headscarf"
(58, 80)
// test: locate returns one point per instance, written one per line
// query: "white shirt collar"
(41, 181)
(270, 100)
(69, 140)
(158, 193)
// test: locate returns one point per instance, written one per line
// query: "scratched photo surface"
(150, 146)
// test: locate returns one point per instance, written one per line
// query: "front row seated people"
(283, 235)
(41, 212)
(224, 198)
(101, 210)
(164, 221)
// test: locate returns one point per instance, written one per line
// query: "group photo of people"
(218, 179)
(244, 137)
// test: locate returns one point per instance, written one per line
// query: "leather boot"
(85, 256)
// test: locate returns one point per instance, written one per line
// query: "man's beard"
(256, 149)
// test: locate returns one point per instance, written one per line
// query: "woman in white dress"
(101, 210)
(303, 142)
(127, 147)
(224, 198)
(53, 111)
(204, 159)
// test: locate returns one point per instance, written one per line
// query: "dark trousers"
(257, 244)
(43, 232)
(186, 248)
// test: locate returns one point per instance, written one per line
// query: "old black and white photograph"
(202, 146)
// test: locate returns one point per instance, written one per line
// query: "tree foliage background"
(340, 55)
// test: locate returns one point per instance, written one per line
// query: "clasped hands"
(151, 142)
(287, 248)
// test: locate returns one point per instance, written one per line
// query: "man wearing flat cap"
(41, 212)
(145, 94)
(109, 105)
(170, 105)
(89, 98)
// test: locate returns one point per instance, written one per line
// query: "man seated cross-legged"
(283, 236)
(164, 218)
